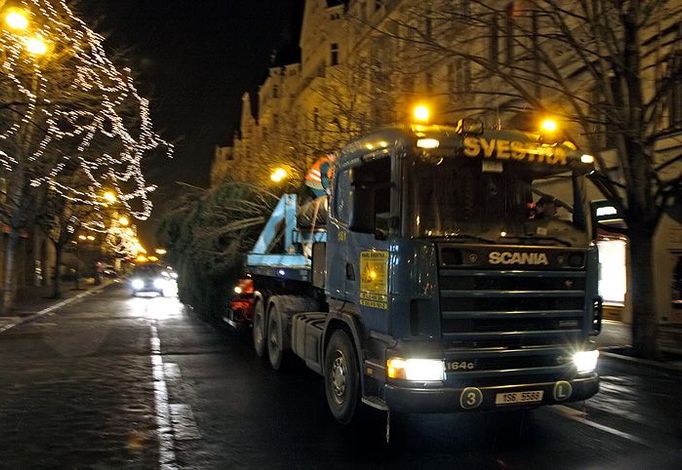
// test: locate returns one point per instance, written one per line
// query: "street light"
(109, 196)
(124, 221)
(16, 19)
(278, 175)
(161, 251)
(35, 46)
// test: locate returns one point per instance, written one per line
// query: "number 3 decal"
(471, 398)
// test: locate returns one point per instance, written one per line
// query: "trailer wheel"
(275, 337)
(259, 328)
(341, 377)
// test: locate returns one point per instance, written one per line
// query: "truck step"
(376, 403)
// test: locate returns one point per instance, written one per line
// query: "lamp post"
(17, 22)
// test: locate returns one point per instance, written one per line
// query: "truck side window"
(342, 196)
(371, 194)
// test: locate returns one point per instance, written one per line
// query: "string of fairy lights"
(56, 68)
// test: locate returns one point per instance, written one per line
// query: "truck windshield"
(510, 202)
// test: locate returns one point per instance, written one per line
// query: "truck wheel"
(274, 337)
(341, 377)
(259, 328)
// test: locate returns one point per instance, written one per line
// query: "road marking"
(579, 417)
(163, 413)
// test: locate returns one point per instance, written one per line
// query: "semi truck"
(430, 280)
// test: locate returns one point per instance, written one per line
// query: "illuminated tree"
(67, 104)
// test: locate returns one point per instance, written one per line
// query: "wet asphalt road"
(120, 382)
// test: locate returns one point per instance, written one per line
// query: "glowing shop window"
(612, 271)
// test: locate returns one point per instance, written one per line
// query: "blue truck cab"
(454, 271)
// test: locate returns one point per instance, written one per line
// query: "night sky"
(195, 59)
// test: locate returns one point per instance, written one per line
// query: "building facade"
(364, 63)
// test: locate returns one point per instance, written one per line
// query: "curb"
(52, 308)
(642, 362)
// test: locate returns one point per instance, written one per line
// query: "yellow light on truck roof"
(421, 113)
(549, 125)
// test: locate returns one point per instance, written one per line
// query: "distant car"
(148, 278)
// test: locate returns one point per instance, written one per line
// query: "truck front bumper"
(410, 399)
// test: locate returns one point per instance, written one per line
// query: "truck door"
(367, 253)
(337, 236)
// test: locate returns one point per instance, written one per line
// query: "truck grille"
(511, 308)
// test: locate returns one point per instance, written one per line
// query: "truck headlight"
(586, 361)
(159, 283)
(137, 284)
(419, 370)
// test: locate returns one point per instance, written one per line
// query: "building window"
(494, 47)
(452, 77)
(675, 107)
(334, 56)
(463, 76)
(428, 81)
(509, 34)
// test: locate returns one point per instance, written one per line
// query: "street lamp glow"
(278, 175)
(421, 113)
(109, 196)
(549, 125)
(16, 19)
(124, 221)
(35, 46)
(161, 251)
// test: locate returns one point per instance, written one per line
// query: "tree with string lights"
(66, 109)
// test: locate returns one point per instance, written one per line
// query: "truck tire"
(259, 333)
(282, 308)
(341, 377)
(274, 337)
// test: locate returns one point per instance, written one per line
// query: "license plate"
(519, 397)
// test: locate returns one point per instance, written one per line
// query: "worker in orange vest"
(320, 175)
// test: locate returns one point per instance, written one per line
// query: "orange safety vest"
(313, 178)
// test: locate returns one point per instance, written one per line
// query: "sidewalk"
(35, 301)
(615, 340)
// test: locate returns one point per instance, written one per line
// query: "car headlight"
(137, 283)
(159, 283)
(419, 370)
(586, 361)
